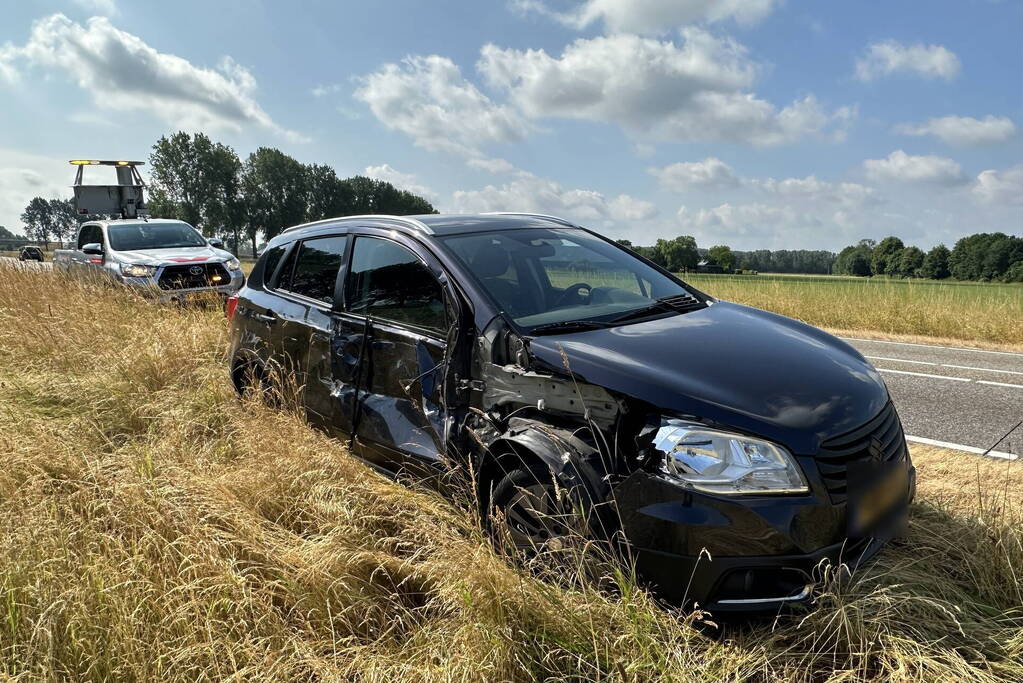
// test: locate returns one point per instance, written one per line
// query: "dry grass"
(982, 314)
(155, 527)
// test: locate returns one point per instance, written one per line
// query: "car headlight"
(137, 270)
(233, 264)
(724, 463)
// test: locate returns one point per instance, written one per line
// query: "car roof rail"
(556, 219)
(411, 222)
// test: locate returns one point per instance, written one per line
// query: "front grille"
(683, 302)
(183, 277)
(880, 440)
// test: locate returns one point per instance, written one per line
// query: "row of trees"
(206, 184)
(982, 256)
(816, 262)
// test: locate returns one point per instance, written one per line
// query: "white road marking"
(931, 346)
(1000, 384)
(924, 374)
(945, 365)
(960, 447)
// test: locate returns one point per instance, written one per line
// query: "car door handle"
(269, 317)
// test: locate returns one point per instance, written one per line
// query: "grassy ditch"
(157, 527)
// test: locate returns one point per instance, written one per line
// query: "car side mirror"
(93, 248)
(216, 242)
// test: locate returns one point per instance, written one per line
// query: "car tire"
(532, 512)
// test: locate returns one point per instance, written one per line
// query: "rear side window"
(264, 270)
(389, 282)
(316, 267)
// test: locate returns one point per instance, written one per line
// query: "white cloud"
(655, 89)
(812, 189)
(653, 16)
(324, 90)
(121, 72)
(902, 167)
(495, 166)
(1000, 187)
(709, 173)
(529, 193)
(107, 7)
(427, 99)
(402, 181)
(892, 57)
(963, 130)
(626, 208)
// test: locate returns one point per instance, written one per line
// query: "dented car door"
(397, 324)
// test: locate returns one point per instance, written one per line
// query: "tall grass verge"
(156, 527)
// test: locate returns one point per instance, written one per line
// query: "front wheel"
(535, 513)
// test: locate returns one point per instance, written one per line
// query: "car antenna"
(125, 199)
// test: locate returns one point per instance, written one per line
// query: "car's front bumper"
(734, 554)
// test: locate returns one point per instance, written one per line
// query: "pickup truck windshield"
(135, 236)
(543, 277)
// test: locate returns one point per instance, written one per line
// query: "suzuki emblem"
(875, 449)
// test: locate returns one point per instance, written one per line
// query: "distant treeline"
(982, 256)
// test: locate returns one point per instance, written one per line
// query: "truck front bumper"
(149, 287)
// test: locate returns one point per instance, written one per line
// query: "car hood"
(736, 366)
(173, 256)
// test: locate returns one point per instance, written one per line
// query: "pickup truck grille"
(183, 277)
(881, 440)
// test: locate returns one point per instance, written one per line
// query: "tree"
(38, 220)
(678, 254)
(6, 234)
(855, 259)
(935, 265)
(198, 181)
(64, 219)
(885, 259)
(274, 186)
(911, 261)
(722, 256)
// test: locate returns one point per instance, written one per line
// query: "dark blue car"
(727, 450)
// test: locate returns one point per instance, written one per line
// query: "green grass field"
(970, 312)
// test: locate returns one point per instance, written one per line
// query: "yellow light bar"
(84, 162)
(95, 162)
(123, 163)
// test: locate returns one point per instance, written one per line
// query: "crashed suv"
(733, 450)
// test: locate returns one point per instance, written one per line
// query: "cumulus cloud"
(892, 57)
(626, 208)
(709, 173)
(813, 189)
(963, 130)
(530, 193)
(121, 72)
(652, 16)
(1000, 187)
(696, 91)
(901, 167)
(23, 176)
(427, 99)
(402, 181)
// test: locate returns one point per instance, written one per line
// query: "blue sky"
(754, 123)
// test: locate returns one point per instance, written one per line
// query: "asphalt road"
(962, 398)
(947, 396)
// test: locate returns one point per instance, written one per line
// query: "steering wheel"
(572, 291)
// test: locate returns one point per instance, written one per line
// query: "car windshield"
(544, 277)
(135, 236)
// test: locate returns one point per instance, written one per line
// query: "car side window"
(269, 264)
(389, 282)
(316, 267)
(90, 234)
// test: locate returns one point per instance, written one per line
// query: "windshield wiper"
(657, 306)
(567, 327)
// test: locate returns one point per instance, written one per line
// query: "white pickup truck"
(168, 259)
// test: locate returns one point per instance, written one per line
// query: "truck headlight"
(137, 270)
(233, 264)
(724, 463)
